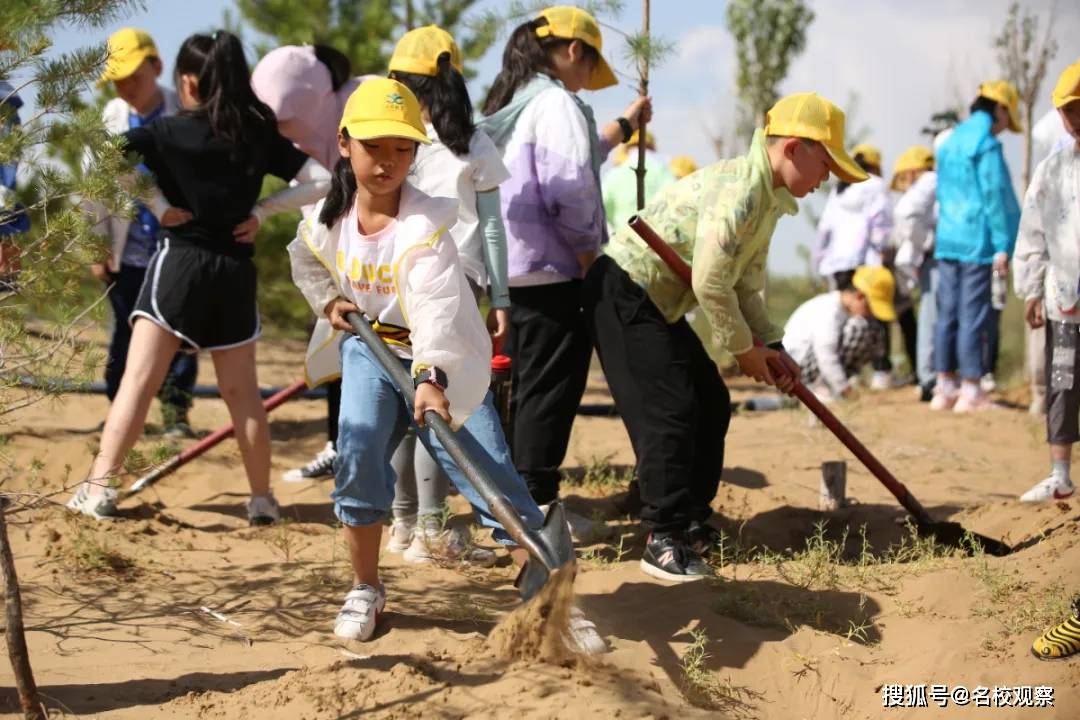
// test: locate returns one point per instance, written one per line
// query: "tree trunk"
(643, 90)
(14, 635)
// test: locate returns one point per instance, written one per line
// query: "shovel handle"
(682, 269)
(500, 507)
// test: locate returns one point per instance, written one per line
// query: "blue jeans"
(373, 420)
(928, 282)
(964, 315)
(175, 393)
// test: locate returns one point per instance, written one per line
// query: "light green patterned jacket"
(720, 219)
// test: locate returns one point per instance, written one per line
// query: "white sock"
(1060, 471)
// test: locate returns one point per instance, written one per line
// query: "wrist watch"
(627, 129)
(432, 375)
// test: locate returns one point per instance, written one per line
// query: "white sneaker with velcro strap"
(358, 616)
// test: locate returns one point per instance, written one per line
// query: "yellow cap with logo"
(1004, 93)
(916, 157)
(810, 116)
(870, 154)
(879, 287)
(418, 51)
(572, 23)
(681, 166)
(382, 107)
(1067, 89)
(128, 48)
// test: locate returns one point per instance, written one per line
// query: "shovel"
(549, 548)
(947, 533)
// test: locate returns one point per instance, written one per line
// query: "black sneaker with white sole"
(669, 557)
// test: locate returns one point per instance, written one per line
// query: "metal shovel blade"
(955, 535)
(558, 546)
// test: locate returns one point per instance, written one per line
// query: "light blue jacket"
(978, 212)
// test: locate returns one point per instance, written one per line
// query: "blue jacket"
(978, 214)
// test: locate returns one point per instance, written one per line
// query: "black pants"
(670, 395)
(175, 393)
(550, 348)
(333, 410)
(908, 329)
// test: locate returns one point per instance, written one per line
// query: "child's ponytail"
(446, 98)
(525, 56)
(337, 63)
(224, 85)
(342, 190)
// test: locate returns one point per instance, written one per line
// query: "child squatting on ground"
(209, 160)
(831, 335)
(378, 245)
(669, 393)
(1047, 277)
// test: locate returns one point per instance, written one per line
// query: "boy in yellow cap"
(133, 67)
(976, 231)
(1047, 277)
(669, 393)
(830, 336)
(914, 219)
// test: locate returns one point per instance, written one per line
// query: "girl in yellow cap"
(461, 162)
(378, 245)
(554, 216)
(200, 292)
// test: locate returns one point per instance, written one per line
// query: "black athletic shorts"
(205, 298)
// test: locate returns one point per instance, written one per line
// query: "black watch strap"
(627, 130)
(432, 375)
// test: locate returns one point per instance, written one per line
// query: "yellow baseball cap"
(572, 23)
(1067, 89)
(916, 157)
(879, 287)
(382, 107)
(635, 138)
(681, 166)
(870, 154)
(810, 116)
(1004, 92)
(418, 51)
(127, 50)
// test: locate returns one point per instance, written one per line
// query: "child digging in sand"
(378, 245)
(832, 336)
(675, 405)
(1047, 272)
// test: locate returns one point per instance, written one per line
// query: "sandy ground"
(119, 628)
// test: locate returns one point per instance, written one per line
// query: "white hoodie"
(408, 280)
(854, 228)
(1046, 263)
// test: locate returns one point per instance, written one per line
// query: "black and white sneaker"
(669, 557)
(322, 466)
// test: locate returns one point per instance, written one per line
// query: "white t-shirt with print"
(367, 265)
(440, 173)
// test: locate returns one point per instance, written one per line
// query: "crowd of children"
(417, 215)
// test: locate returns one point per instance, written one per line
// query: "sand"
(179, 610)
